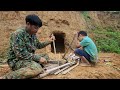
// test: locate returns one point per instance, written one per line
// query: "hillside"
(102, 26)
(98, 25)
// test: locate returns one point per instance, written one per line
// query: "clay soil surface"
(108, 67)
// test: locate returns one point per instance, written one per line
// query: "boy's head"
(81, 35)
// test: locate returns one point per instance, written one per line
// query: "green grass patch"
(86, 15)
(107, 40)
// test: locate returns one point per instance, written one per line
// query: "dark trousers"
(82, 53)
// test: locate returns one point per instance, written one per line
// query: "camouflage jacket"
(23, 46)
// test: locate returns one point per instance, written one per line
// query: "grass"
(107, 40)
(86, 15)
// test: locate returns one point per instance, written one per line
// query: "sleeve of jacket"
(40, 45)
(19, 48)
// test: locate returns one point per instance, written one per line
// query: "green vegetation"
(107, 39)
(86, 15)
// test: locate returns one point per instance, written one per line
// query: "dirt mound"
(66, 22)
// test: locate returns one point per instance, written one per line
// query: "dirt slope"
(64, 21)
(67, 22)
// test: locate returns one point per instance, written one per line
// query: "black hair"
(33, 20)
(82, 33)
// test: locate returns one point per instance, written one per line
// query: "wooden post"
(55, 49)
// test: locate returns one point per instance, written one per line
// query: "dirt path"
(103, 70)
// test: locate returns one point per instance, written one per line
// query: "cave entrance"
(59, 43)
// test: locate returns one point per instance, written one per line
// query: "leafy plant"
(107, 40)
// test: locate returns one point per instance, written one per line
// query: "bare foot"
(85, 65)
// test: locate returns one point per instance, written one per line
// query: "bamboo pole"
(61, 70)
(68, 49)
(47, 72)
(55, 49)
(69, 69)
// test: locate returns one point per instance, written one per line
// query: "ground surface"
(103, 70)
